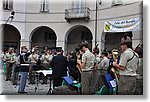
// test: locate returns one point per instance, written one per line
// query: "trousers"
(22, 81)
(126, 85)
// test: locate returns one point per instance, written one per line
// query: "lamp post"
(100, 2)
(11, 17)
(96, 25)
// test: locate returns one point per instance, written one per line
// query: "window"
(44, 5)
(78, 5)
(116, 2)
(49, 36)
(7, 4)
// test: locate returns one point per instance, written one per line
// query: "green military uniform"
(86, 76)
(33, 60)
(10, 60)
(127, 81)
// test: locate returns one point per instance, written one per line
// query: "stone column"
(25, 43)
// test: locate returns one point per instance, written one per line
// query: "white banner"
(123, 25)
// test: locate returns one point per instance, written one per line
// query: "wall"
(28, 17)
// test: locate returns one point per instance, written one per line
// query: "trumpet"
(79, 68)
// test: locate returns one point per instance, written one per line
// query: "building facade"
(66, 23)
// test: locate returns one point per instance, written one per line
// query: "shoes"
(44, 82)
(8, 79)
(22, 92)
(31, 82)
(14, 83)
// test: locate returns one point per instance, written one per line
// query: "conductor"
(24, 68)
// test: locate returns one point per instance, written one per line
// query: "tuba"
(113, 69)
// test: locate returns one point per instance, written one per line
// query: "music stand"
(36, 68)
(45, 73)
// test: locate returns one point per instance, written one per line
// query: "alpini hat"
(125, 40)
(84, 43)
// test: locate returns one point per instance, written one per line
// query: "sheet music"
(113, 83)
(45, 72)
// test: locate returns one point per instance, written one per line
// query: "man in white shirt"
(103, 66)
(128, 66)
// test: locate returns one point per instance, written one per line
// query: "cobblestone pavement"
(9, 89)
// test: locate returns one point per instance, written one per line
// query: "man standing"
(86, 65)
(59, 68)
(33, 59)
(24, 68)
(103, 66)
(128, 65)
(10, 60)
(46, 59)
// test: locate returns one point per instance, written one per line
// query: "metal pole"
(96, 25)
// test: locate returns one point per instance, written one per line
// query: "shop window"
(7, 4)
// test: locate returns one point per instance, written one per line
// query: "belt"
(24, 64)
(103, 69)
(86, 70)
(127, 76)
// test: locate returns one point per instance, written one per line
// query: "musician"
(10, 60)
(15, 68)
(79, 58)
(103, 66)
(24, 68)
(96, 71)
(127, 67)
(33, 59)
(86, 65)
(46, 58)
(73, 70)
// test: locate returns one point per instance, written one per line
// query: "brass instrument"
(113, 69)
(80, 70)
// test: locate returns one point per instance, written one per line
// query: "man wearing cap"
(127, 67)
(86, 65)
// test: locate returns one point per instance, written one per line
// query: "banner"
(123, 25)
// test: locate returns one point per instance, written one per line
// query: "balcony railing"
(77, 13)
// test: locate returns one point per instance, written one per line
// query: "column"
(25, 43)
(60, 43)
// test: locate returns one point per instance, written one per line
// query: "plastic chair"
(103, 91)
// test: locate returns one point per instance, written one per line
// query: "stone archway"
(43, 37)
(76, 35)
(111, 40)
(10, 37)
